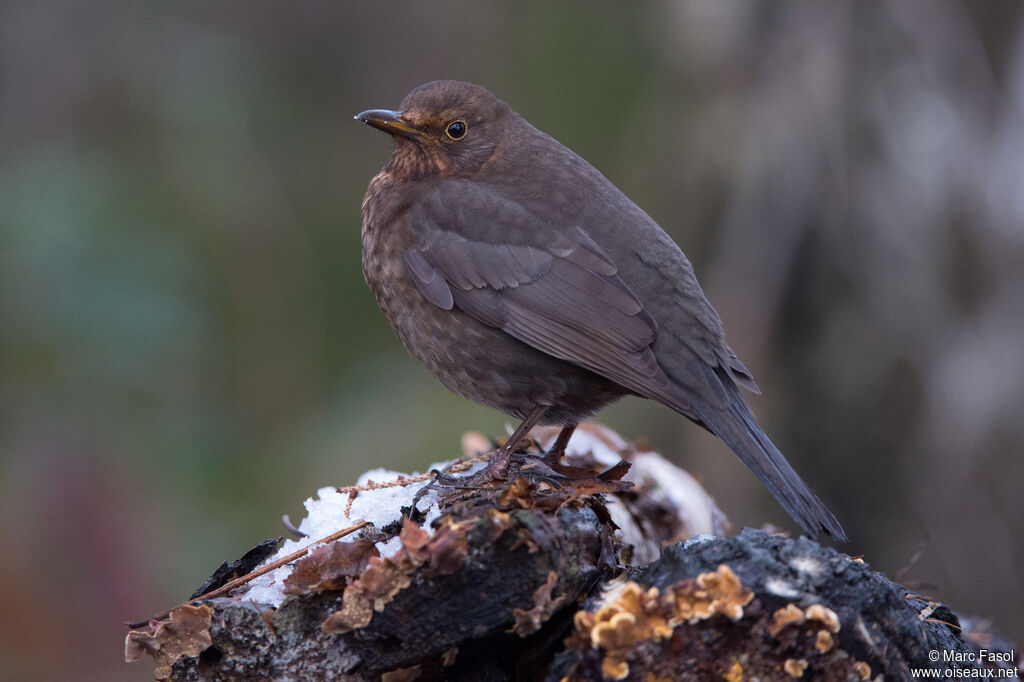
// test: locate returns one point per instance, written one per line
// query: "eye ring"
(456, 130)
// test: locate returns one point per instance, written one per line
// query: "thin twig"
(232, 584)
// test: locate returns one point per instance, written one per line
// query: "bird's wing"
(553, 289)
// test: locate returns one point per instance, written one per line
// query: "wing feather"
(552, 288)
(428, 280)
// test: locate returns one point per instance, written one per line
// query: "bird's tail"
(737, 427)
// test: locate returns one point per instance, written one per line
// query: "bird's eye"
(456, 130)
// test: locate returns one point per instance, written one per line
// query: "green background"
(188, 349)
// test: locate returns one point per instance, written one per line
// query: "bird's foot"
(507, 467)
(511, 462)
(502, 470)
(443, 482)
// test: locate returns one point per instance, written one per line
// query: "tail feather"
(737, 427)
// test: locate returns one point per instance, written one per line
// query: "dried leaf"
(382, 579)
(330, 567)
(185, 633)
(379, 583)
(446, 550)
(414, 541)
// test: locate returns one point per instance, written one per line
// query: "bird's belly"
(483, 363)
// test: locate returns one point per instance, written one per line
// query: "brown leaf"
(414, 541)
(185, 633)
(378, 585)
(440, 554)
(447, 550)
(355, 613)
(330, 567)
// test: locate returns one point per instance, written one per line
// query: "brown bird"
(526, 281)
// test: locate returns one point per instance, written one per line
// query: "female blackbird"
(526, 281)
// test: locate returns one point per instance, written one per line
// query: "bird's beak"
(391, 122)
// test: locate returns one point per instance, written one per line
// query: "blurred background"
(188, 349)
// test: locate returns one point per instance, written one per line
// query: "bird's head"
(449, 128)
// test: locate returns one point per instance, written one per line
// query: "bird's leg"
(498, 467)
(554, 455)
(502, 465)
